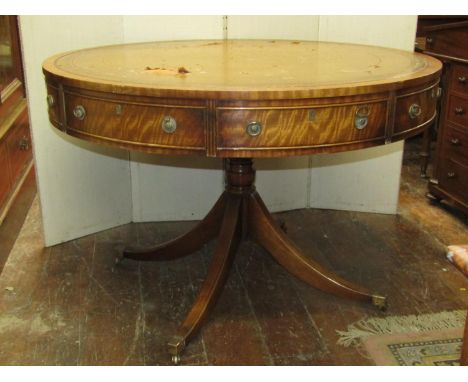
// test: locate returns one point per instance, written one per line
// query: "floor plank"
(71, 304)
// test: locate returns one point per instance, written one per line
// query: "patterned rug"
(417, 340)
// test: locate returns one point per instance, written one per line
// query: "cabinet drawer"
(300, 127)
(449, 42)
(455, 143)
(5, 179)
(19, 146)
(458, 110)
(415, 109)
(148, 124)
(454, 177)
(459, 79)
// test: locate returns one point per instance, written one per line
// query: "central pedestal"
(237, 215)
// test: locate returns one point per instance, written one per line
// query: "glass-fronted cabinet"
(15, 141)
(11, 75)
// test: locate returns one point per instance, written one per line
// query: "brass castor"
(380, 302)
(175, 359)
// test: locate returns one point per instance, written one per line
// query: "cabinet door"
(5, 179)
(11, 76)
(19, 146)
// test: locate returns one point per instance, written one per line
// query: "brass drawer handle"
(79, 112)
(462, 80)
(451, 175)
(455, 141)
(361, 118)
(254, 129)
(429, 40)
(24, 144)
(50, 100)
(459, 111)
(169, 125)
(414, 111)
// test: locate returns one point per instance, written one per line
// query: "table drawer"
(458, 110)
(19, 145)
(5, 179)
(459, 79)
(299, 127)
(53, 104)
(148, 124)
(455, 144)
(415, 109)
(454, 177)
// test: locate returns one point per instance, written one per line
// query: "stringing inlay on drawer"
(415, 109)
(301, 127)
(138, 123)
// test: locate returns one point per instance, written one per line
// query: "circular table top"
(242, 69)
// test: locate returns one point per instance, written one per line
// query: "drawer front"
(458, 110)
(459, 79)
(448, 42)
(455, 143)
(19, 146)
(171, 127)
(454, 177)
(304, 127)
(53, 104)
(414, 110)
(5, 180)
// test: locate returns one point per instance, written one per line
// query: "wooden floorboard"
(71, 304)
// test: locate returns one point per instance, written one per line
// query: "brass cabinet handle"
(451, 174)
(361, 119)
(169, 125)
(459, 110)
(462, 80)
(50, 100)
(24, 144)
(254, 129)
(455, 141)
(414, 111)
(79, 112)
(429, 40)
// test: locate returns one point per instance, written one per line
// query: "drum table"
(238, 100)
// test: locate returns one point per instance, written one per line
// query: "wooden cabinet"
(15, 139)
(447, 39)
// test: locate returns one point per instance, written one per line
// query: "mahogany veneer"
(241, 99)
(447, 39)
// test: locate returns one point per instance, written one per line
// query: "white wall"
(86, 188)
(83, 187)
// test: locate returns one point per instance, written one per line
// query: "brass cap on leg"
(380, 302)
(175, 346)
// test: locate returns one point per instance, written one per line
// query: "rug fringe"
(401, 324)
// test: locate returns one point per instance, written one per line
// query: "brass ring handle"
(459, 110)
(361, 118)
(361, 122)
(50, 100)
(169, 125)
(414, 111)
(462, 80)
(451, 174)
(79, 112)
(24, 144)
(429, 40)
(455, 141)
(254, 129)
